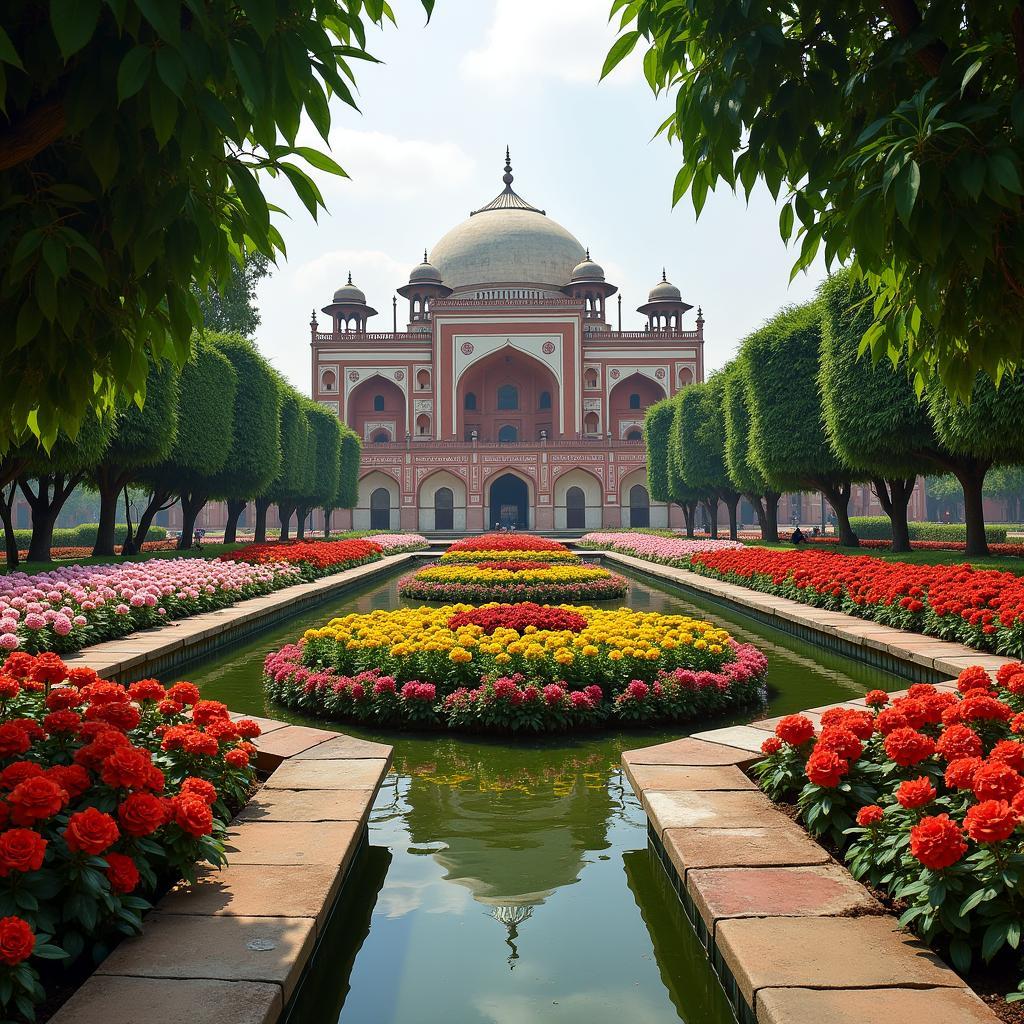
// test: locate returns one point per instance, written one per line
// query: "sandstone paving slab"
(826, 952)
(293, 842)
(784, 842)
(687, 752)
(812, 891)
(342, 747)
(871, 1006)
(709, 810)
(345, 773)
(308, 805)
(120, 1000)
(257, 890)
(740, 736)
(267, 725)
(262, 949)
(292, 739)
(644, 777)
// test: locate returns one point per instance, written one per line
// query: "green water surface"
(509, 881)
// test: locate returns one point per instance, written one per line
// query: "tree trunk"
(732, 501)
(46, 507)
(159, 501)
(689, 511)
(838, 496)
(972, 479)
(106, 532)
(711, 507)
(236, 506)
(284, 513)
(7, 515)
(757, 504)
(191, 505)
(130, 545)
(894, 496)
(262, 507)
(300, 522)
(327, 522)
(771, 516)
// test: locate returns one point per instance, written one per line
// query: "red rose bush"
(107, 794)
(924, 795)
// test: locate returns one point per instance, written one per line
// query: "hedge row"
(880, 528)
(84, 535)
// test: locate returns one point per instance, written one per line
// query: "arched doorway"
(509, 503)
(575, 509)
(380, 509)
(444, 509)
(639, 506)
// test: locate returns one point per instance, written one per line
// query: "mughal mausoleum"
(512, 396)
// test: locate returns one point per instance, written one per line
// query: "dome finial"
(424, 255)
(663, 274)
(350, 277)
(507, 176)
(588, 252)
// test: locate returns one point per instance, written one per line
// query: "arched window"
(329, 382)
(381, 437)
(423, 380)
(423, 425)
(634, 401)
(685, 376)
(508, 433)
(545, 400)
(590, 379)
(469, 402)
(444, 509)
(378, 403)
(634, 435)
(380, 509)
(575, 509)
(590, 423)
(508, 396)
(639, 506)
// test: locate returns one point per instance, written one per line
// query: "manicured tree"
(892, 129)
(658, 437)
(876, 422)
(140, 438)
(136, 138)
(347, 495)
(789, 444)
(206, 402)
(291, 473)
(987, 432)
(687, 498)
(325, 464)
(255, 456)
(50, 477)
(701, 435)
(747, 478)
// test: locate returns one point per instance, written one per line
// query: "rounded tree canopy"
(875, 420)
(69, 455)
(789, 446)
(702, 437)
(255, 456)
(736, 412)
(678, 488)
(990, 427)
(657, 437)
(287, 486)
(348, 473)
(324, 451)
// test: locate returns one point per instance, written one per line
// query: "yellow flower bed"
(613, 647)
(498, 577)
(509, 555)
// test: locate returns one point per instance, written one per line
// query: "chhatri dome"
(350, 293)
(664, 291)
(507, 242)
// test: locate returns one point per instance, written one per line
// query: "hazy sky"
(429, 145)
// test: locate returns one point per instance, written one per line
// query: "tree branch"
(907, 19)
(40, 127)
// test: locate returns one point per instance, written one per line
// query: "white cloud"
(530, 40)
(384, 165)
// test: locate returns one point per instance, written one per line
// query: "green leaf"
(907, 186)
(786, 222)
(73, 23)
(8, 54)
(682, 183)
(1004, 171)
(969, 74)
(164, 16)
(319, 160)
(621, 48)
(171, 69)
(133, 72)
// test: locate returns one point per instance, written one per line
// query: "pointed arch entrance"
(508, 502)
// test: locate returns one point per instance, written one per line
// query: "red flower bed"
(873, 544)
(926, 797)
(983, 608)
(319, 555)
(507, 542)
(519, 617)
(106, 794)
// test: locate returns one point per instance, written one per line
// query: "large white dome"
(507, 242)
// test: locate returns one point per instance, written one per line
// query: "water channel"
(509, 881)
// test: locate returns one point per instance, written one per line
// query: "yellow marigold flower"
(459, 655)
(590, 650)
(615, 655)
(502, 659)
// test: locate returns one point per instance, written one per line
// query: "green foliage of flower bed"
(880, 528)
(84, 535)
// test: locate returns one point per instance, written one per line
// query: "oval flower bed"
(925, 797)
(107, 795)
(515, 667)
(507, 542)
(511, 580)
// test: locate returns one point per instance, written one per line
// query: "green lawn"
(1007, 563)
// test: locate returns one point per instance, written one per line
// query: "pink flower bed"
(394, 543)
(652, 548)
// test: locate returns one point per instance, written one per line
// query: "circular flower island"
(512, 567)
(521, 667)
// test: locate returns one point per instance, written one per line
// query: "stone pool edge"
(155, 652)
(232, 948)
